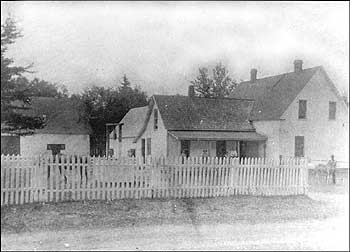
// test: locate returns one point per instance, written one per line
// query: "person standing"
(332, 165)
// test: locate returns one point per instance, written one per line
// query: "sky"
(161, 45)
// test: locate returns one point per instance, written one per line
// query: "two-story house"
(300, 112)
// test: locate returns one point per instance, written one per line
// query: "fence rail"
(61, 178)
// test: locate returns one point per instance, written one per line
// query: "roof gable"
(133, 121)
(274, 94)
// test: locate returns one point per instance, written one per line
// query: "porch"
(216, 144)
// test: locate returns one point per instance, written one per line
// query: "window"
(299, 146)
(185, 147)
(10, 145)
(155, 119)
(332, 110)
(120, 133)
(115, 134)
(220, 148)
(143, 143)
(132, 153)
(148, 146)
(56, 148)
(302, 109)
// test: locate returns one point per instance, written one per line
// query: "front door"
(243, 149)
(220, 148)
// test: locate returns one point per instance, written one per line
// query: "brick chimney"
(298, 66)
(191, 91)
(253, 73)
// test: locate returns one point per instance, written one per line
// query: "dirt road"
(328, 234)
(304, 233)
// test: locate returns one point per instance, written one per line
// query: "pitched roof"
(133, 121)
(63, 116)
(196, 113)
(273, 94)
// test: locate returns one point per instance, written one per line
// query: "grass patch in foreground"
(130, 212)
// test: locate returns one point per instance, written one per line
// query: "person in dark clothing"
(332, 165)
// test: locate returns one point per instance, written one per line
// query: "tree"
(220, 84)
(203, 84)
(11, 88)
(107, 105)
(44, 88)
(125, 84)
(131, 97)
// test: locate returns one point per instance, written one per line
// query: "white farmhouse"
(300, 112)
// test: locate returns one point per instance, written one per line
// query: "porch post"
(107, 140)
(239, 149)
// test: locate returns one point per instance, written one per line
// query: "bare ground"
(122, 213)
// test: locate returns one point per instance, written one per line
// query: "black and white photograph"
(174, 125)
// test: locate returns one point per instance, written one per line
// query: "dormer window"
(302, 109)
(155, 119)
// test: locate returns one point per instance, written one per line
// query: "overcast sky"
(160, 46)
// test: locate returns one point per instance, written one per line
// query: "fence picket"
(268, 177)
(11, 180)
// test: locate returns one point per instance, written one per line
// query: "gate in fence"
(62, 178)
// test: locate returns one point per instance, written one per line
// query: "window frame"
(115, 134)
(155, 119)
(329, 110)
(143, 147)
(296, 149)
(133, 152)
(120, 132)
(149, 146)
(300, 109)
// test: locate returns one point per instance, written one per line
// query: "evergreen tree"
(125, 84)
(12, 88)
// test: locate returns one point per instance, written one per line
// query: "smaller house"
(65, 130)
(192, 126)
(121, 139)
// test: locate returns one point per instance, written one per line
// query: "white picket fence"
(54, 178)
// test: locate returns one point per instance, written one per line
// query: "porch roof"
(217, 135)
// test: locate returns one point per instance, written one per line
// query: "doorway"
(220, 148)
